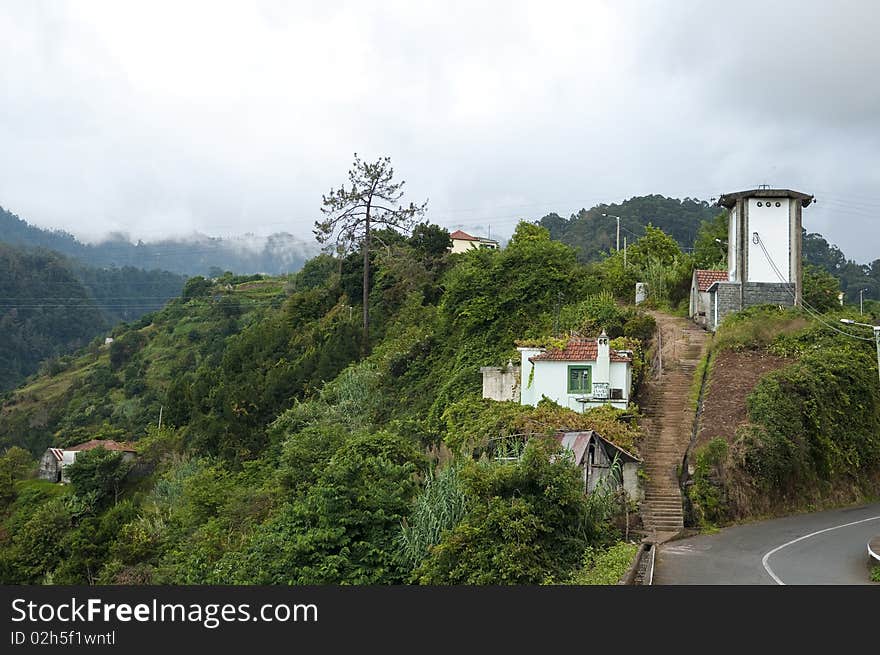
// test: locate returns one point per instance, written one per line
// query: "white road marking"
(766, 557)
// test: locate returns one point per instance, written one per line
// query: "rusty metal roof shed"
(579, 443)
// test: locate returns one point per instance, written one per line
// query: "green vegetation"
(591, 234)
(352, 216)
(527, 520)
(605, 567)
(44, 312)
(813, 429)
(852, 276)
(50, 306)
(98, 474)
(708, 493)
(875, 573)
(285, 456)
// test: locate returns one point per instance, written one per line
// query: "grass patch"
(704, 369)
(756, 328)
(605, 566)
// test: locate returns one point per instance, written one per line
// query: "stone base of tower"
(768, 293)
(725, 298)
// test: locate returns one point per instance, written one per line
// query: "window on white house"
(580, 379)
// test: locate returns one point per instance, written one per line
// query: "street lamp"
(618, 227)
(862, 300)
(876, 329)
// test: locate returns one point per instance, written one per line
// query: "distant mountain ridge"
(276, 254)
(591, 232)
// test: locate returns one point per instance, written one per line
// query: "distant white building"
(585, 373)
(462, 242)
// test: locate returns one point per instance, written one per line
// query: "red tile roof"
(462, 236)
(578, 350)
(109, 444)
(706, 279)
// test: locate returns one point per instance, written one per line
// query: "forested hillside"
(287, 454)
(50, 305)
(276, 254)
(286, 457)
(591, 234)
(44, 311)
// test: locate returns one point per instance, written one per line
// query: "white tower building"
(764, 251)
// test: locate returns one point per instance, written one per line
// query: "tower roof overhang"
(729, 199)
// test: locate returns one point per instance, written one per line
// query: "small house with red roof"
(54, 462)
(700, 308)
(462, 242)
(585, 373)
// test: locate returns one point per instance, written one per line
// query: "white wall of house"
(700, 304)
(772, 225)
(631, 481)
(463, 245)
(551, 379)
(501, 383)
(732, 246)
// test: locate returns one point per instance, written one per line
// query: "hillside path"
(668, 422)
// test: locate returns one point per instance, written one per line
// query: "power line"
(809, 309)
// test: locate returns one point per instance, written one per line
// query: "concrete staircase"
(668, 424)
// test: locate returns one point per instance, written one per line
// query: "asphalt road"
(820, 549)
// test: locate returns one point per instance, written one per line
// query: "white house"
(585, 373)
(462, 242)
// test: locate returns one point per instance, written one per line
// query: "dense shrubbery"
(605, 566)
(814, 425)
(471, 423)
(528, 521)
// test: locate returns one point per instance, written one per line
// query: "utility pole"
(559, 298)
(161, 407)
(862, 301)
(624, 252)
(618, 228)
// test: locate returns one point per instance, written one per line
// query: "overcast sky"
(158, 118)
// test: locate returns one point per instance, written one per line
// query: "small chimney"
(604, 352)
(602, 372)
